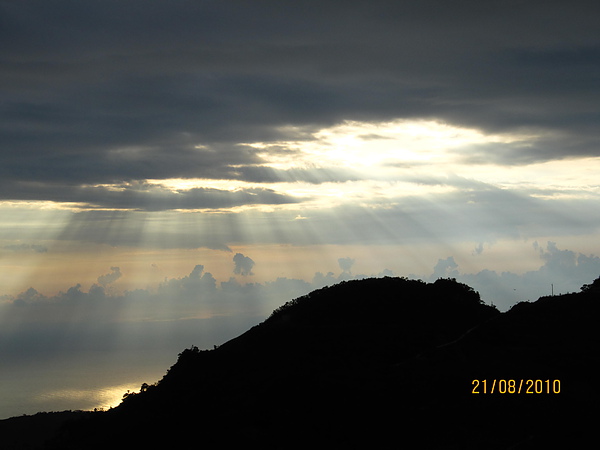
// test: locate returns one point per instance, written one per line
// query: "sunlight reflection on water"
(102, 398)
(80, 383)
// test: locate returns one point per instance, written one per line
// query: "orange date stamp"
(519, 386)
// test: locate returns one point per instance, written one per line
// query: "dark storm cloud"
(106, 92)
(143, 197)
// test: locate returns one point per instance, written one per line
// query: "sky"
(172, 171)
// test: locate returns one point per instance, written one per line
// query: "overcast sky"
(201, 150)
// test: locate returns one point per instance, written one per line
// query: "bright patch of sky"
(401, 158)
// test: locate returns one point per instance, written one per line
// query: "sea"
(77, 382)
(38, 376)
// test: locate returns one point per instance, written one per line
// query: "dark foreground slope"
(379, 363)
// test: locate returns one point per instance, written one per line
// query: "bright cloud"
(371, 145)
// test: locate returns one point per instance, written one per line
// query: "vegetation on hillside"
(373, 363)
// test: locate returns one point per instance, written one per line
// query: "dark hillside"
(378, 363)
(326, 357)
(390, 318)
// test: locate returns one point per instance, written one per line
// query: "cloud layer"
(101, 94)
(199, 294)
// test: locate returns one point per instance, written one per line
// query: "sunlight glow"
(368, 144)
(102, 398)
(184, 184)
(391, 159)
(401, 164)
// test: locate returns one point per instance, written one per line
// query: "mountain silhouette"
(375, 363)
